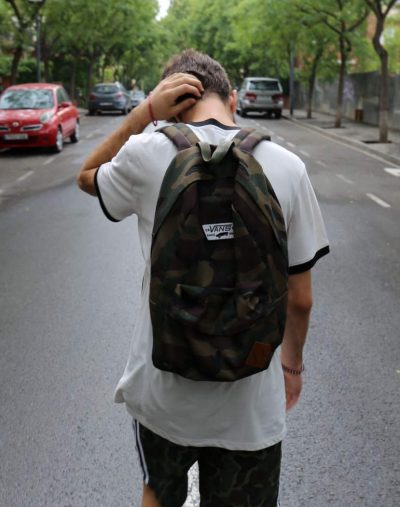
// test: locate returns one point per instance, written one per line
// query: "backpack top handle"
(215, 156)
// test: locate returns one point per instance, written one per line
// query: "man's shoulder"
(147, 141)
(275, 158)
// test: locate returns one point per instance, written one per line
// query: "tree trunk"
(15, 63)
(384, 81)
(89, 76)
(311, 81)
(46, 64)
(72, 81)
(342, 73)
(45, 60)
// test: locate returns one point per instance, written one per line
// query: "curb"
(352, 142)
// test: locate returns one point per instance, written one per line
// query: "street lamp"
(39, 2)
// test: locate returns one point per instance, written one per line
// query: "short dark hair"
(212, 75)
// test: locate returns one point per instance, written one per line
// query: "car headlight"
(46, 117)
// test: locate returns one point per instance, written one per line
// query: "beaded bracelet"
(292, 371)
(153, 120)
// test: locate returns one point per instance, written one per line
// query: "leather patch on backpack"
(260, 355)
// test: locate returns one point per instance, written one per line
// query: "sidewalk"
(351, 133)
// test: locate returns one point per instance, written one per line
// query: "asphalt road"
(70, 282)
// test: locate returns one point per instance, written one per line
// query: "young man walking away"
(232, 429)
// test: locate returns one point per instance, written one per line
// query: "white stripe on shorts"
(139, 447)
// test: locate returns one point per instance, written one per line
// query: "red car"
(37, 115)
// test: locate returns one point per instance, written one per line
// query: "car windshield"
(264, 86)
(27, 99)
(105, 89)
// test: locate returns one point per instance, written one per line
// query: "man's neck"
(207, 108)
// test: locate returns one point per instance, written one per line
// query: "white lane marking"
(280, 138)
(394, 171)
(49, 161)
(378, 200)
(258, 124)
(89, 136)
(2, 191)
(321, 163)
(346, 180)
(25, 176)
(304, 153)
(291, 144)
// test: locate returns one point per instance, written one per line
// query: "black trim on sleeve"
(301, 268)
(102, 205)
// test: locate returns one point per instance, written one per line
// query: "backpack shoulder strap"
(181, 135)
(247, 139)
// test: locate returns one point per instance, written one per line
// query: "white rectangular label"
(14, 137)
(215, 232)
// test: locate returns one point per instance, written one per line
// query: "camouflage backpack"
(218, 290)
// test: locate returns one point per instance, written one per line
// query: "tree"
(381, 8)
(24, 15)
(342, 17)
(84, 38)
(391, 37)
(316, 50)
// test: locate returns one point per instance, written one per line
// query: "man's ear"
(233, 101)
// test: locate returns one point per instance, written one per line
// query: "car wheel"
(59, 145)
(75, 136)
(278, 114)
(92, 112)
(243, 113)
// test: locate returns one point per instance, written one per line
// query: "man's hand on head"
(165, 102)
(163, 105)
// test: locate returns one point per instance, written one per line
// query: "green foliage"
(391, 37)
(5, 65)
(27, 70)
(364, 57)
(84, 41)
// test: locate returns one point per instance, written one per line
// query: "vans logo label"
(215, 232)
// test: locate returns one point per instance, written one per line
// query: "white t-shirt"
(248, 414)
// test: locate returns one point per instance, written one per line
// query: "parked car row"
(113, 97)
(42, 114)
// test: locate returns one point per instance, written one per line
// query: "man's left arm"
(163, 105)
(297, 320)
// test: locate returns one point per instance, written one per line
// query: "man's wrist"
(138, 119)
(293, 371)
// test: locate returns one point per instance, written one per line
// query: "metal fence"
(361, 93)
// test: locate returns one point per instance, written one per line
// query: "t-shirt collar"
(213, 121)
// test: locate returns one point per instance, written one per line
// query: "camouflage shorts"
(226, 478)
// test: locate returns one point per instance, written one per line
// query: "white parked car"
(260, 94)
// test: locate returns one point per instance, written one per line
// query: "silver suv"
(260, 94)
